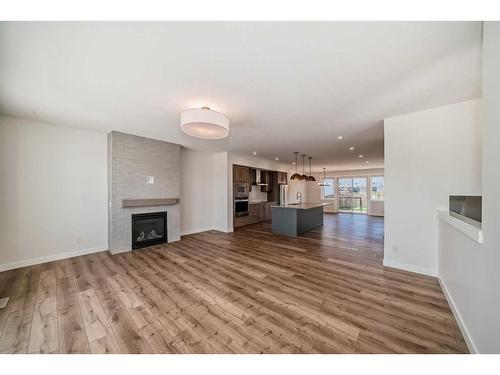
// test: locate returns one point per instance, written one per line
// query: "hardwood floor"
(245, 292)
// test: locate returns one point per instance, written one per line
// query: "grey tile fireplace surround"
(131, 159)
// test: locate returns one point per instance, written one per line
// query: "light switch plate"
(150, 180)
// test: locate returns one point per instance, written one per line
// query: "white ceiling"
(286, 86)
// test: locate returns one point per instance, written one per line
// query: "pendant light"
(310, 178)
(295, 176)
(322, 183)
(303, 177)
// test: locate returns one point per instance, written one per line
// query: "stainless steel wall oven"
(241, 206)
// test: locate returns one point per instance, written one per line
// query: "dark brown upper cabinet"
(253, 176)
(241, 174)
(266, 178)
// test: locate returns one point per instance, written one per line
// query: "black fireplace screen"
(149, 229)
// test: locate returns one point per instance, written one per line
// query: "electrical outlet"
(150, 180)
(395, 249)
(78, 240)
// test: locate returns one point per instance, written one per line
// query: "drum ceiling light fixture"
(204, 123)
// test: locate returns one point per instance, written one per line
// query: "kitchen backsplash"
(257, 195)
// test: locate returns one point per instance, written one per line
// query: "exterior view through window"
(328, 192)
(377, 190)
(353, 194)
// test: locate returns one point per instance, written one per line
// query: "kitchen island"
(295, 219)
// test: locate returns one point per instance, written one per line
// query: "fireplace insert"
(149, 229)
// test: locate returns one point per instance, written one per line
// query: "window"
(377, 191)
(328, 192)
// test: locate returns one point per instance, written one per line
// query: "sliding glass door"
(345, 194)
(360, 195)
(353, 195)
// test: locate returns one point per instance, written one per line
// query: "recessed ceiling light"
(255, 153)
(293, 163)
(351, 148)
(360, 156)
(340, 137)
(367, 162)
(276, 159)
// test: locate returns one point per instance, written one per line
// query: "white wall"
(296, 186)
(223, 205)
(460, 273)
(376, 208)
(53, 192)
(204, 191)
(197, 191)
(469, 271)
(429, 155)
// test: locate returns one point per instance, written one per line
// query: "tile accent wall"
(131, 159)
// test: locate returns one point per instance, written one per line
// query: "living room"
(249, 187)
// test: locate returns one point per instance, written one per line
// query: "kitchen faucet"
(299, 197)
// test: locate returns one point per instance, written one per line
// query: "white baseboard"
(50, 258)
(461, 324)
(193, 231)
(119, 251)
(463, 328)
(224, 230)
(71, 254)
(409, 267)
(200, 230)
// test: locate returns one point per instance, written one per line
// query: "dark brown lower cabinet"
(253, 210)
(257, 212)
(244, 220)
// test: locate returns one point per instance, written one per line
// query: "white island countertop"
(302, 206)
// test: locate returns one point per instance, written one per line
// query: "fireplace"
(149, 229)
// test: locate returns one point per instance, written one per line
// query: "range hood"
(258, 178)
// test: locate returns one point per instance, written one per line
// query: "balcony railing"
(356, 204)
